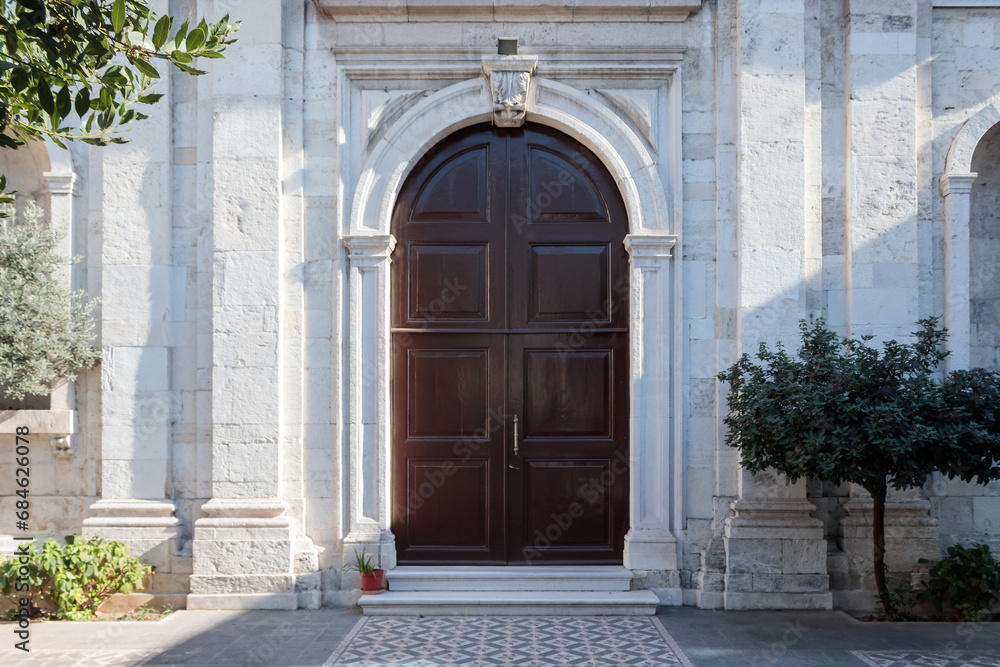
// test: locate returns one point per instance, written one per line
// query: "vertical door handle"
(515, 435)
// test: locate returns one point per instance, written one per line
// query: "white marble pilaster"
(956, 189)
(649, 543)
(369, 442)
(243, 547)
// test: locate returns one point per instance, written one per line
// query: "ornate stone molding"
(509, 78)
(510, 10)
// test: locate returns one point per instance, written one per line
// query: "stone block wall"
(799, 147)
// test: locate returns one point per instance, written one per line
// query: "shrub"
(969, 577)
(844, 411)
(75, 578)
(45, 330)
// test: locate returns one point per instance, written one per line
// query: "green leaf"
(118, 15)
(45, 96)
(161, 32)
(64, 102)
(189, 69)
(82, 102)
(181, 34)
(19, 79)
(144, 67)
(195, 39)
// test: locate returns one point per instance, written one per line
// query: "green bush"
(75, 578)
(969, 577)
(45, 330)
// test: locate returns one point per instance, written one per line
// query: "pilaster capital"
(60, 183)
(370, 247)
(648, 246)
(957, 183)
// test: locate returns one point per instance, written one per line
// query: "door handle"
(515, 435)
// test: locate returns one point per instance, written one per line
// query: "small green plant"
(363, 564)
(75, 578)
(901, 599)
(969, 577)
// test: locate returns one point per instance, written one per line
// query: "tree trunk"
(878, 539)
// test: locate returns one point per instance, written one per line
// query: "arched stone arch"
(551, 103)
(46, 176)
(963, 146)
(956, 187)
(650, 543)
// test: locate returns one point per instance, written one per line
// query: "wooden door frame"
(656, 461)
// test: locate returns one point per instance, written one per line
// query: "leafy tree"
(45, 331)
(90, 62)
(843, 411)
(72, 70)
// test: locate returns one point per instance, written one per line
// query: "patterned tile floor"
(341, 637)
(502, 641)
(929, 659)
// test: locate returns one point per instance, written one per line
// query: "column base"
(647, 549)
(775, 556)
(243, 556)
(149, 527)
(910, 534)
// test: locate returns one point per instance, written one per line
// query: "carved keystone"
(509, 78)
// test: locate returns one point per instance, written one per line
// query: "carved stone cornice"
(603, 11)
(509, 78)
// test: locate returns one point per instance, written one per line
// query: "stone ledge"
(509, 10)
(760, 600)
(39, 422)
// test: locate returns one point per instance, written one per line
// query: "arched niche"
(43, 172)
(956, 189)
(984, 253)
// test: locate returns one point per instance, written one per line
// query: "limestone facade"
(779, 160)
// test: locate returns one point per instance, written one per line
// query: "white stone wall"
(795, 149)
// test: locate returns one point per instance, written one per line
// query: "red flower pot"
(371, 583)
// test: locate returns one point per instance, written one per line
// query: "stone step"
(515, 578)
(510, 603)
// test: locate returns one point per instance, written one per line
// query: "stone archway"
(649, 543)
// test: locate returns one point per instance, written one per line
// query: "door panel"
(567, 502)
(457, 490)
(456, 190)
(567, 393)
(449, 282)
(569, 283)
(448, 391)
(448, 447)
(509, 298)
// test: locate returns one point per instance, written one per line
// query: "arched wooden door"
(510, 354)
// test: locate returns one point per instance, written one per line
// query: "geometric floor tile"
(508, 641)
(79, 658)
(929, 658)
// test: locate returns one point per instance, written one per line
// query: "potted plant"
(371, 576)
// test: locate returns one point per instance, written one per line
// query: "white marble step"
(514, 578)
(510, 603)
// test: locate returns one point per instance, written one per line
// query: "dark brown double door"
(510, 354)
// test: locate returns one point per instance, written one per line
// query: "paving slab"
(341, 637)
